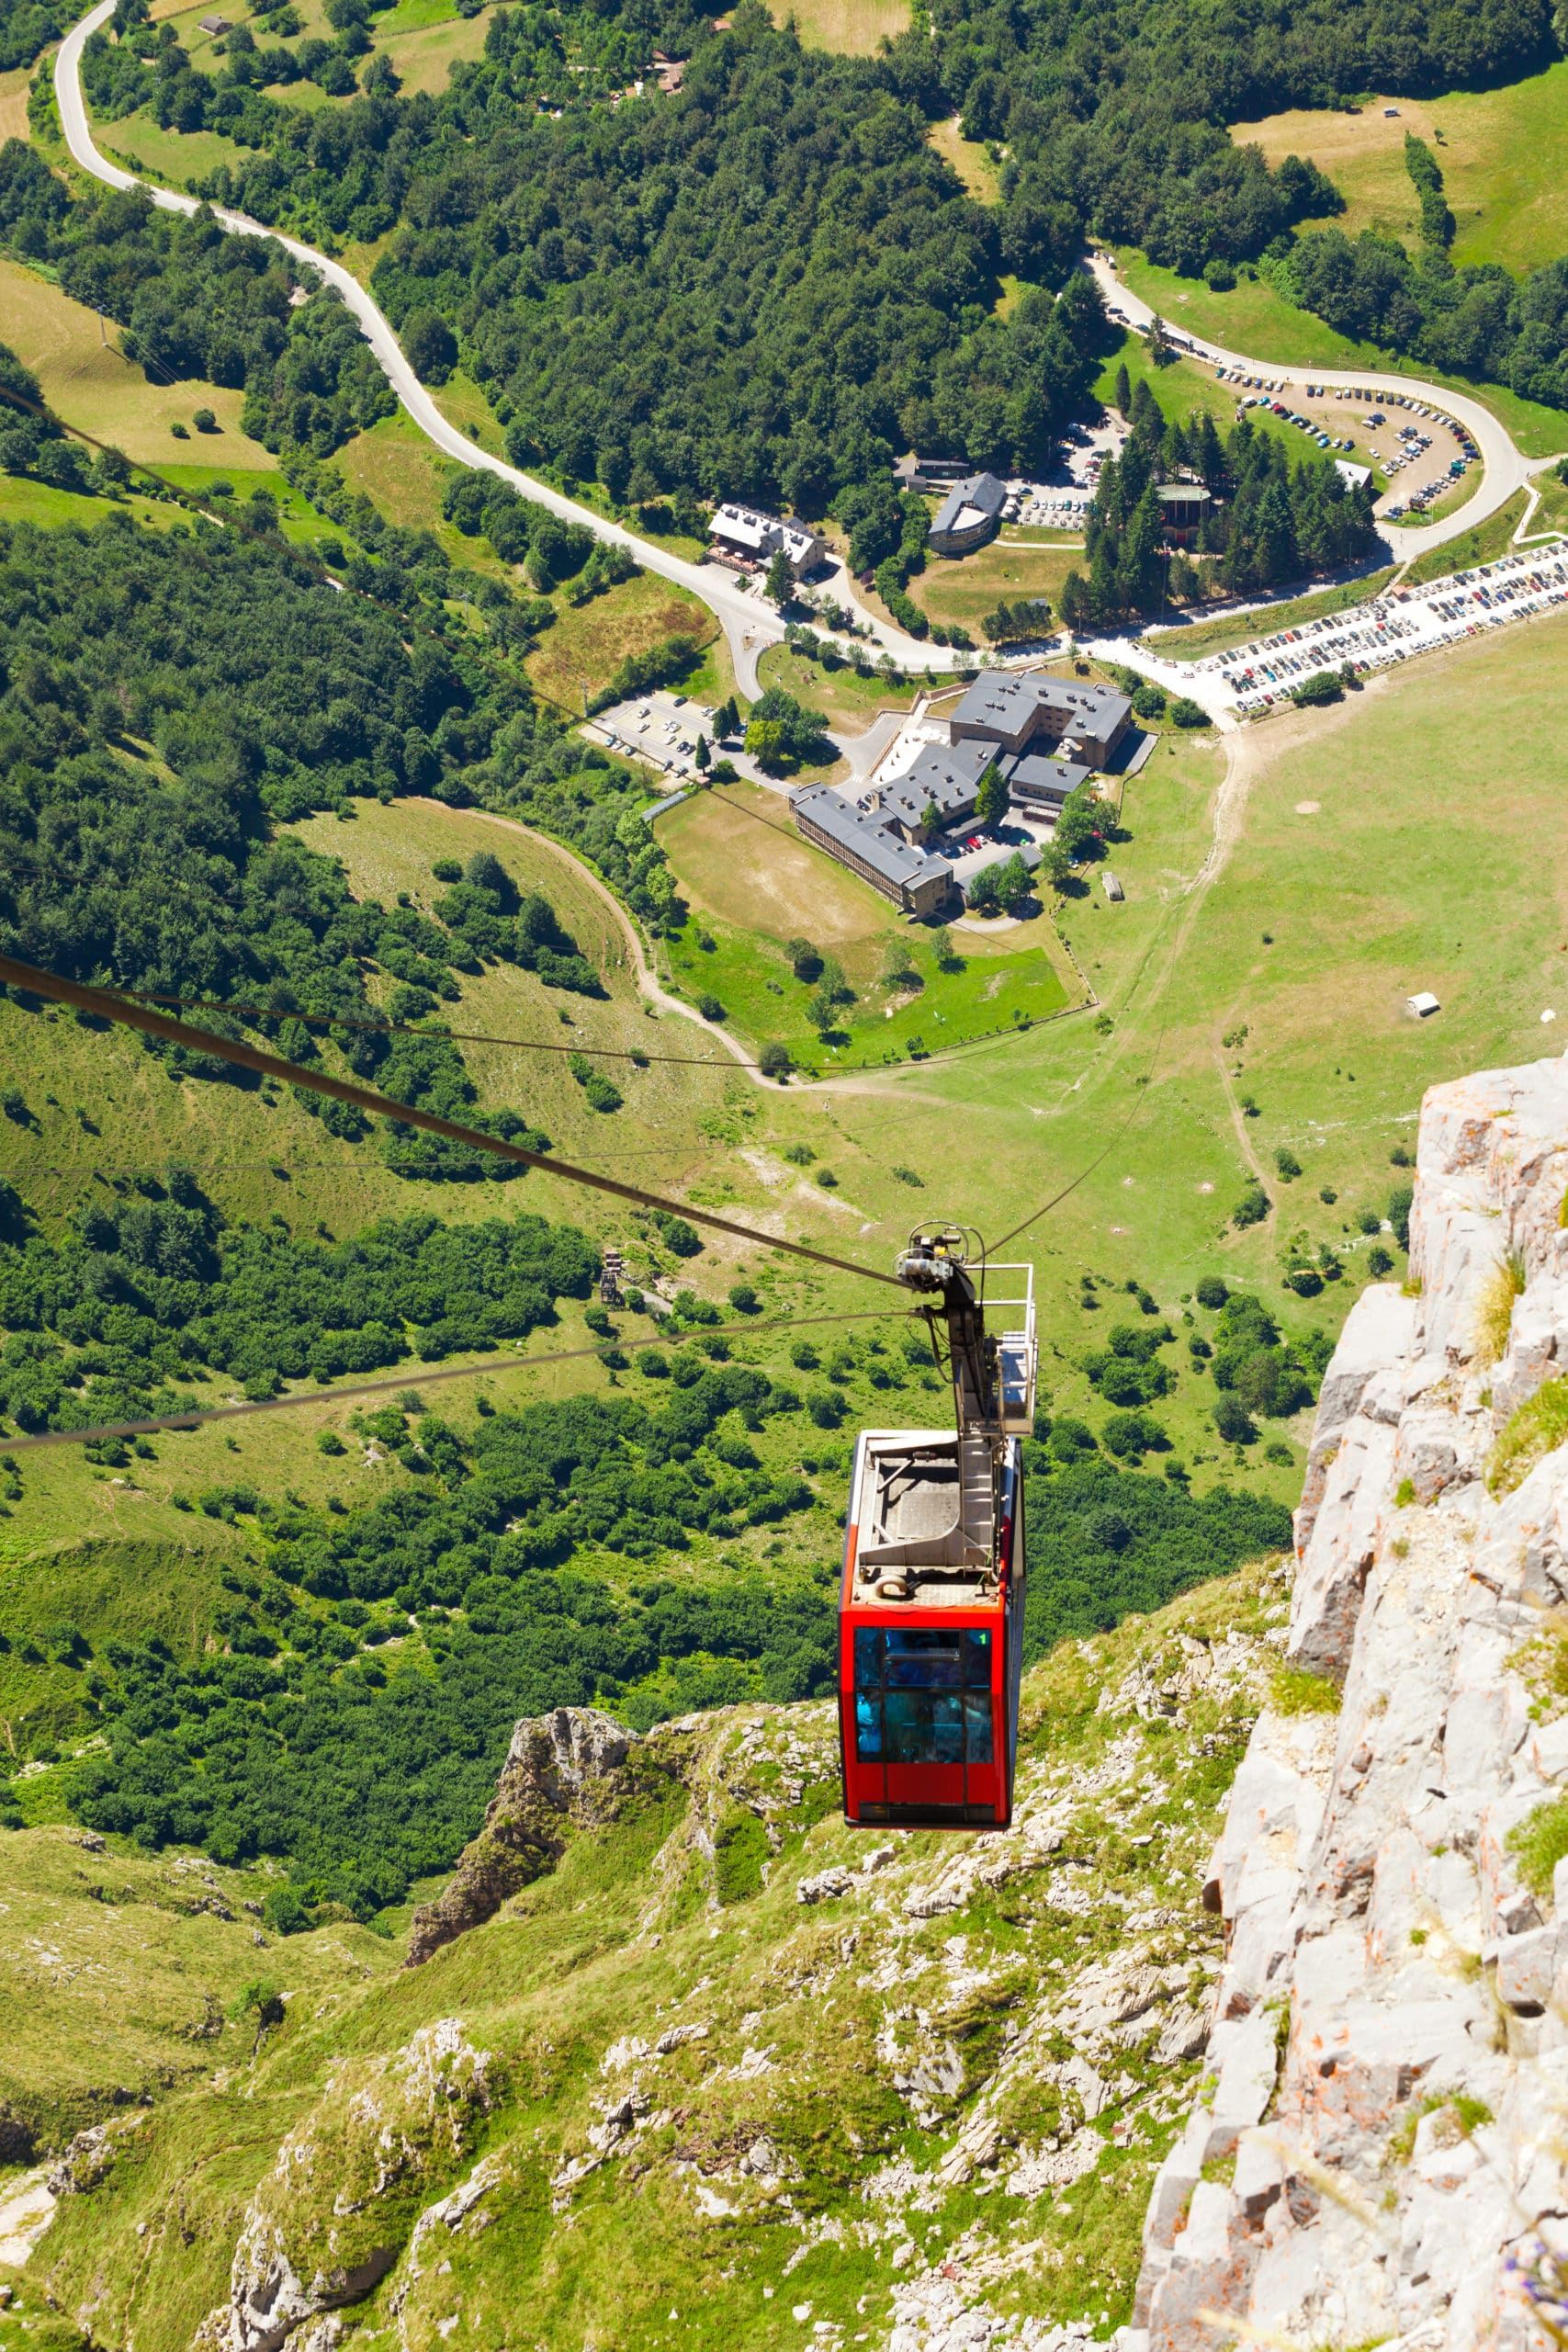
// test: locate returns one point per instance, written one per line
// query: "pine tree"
(991, 800)
(1123, 391)
(780, 583)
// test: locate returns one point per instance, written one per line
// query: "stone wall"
(1378, 2151)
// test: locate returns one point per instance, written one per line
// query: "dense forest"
(150, 739)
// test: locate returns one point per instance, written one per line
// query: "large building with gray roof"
(870, 846)
(1028, 709)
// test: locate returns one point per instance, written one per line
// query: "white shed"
(1110, 886)
(1422, 1005)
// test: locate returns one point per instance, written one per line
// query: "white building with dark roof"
(749, 534)
(948, 774)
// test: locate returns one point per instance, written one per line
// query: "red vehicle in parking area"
(931, 1616)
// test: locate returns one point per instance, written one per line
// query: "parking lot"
(660, 728)
(1391, 629)
(1420, 455)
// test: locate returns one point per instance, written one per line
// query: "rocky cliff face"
(1380, 2146)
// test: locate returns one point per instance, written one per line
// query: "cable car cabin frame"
(930, 1617)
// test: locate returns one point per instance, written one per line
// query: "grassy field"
(1483, 543)
(14, 88)
(853, 28)
(1499, 151)
(402, 473)
(425, 54)
(965, 591)
(87, 383)
(968, 157)
(587, 645)
(139, 142)
(1201, 638)
(848, 701)
(754, 884)
(35, 501)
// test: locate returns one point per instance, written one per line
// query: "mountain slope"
(724, 2060)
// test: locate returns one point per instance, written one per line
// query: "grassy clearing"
(88, 384)
(1252, 320)
(1189, 385)
(586, 646)
(965, 591)
(13, 88)
(1498, 151)
(172, 156)
(968, 158)
(425, 55)
(463, 403)
(1216, 636)
(853, 28)
(846, 700)
(36, 502)
(1483, 543)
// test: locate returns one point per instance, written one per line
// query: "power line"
(103, 1432)
(456, 1036)
(362, 1098)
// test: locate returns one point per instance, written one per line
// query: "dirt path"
(647, 979)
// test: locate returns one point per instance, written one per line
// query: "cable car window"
(923, 1695)
(923, 1727)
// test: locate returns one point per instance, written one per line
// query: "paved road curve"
(750, 625)
(1506, 468)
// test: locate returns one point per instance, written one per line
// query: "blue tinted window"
(978, 1725)
(924, 1727)
(977, 1660)
(868, 1657)
(868, 1727)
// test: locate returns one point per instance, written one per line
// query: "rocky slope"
(679, 2043)
(1380, 2149)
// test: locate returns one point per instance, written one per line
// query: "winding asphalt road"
(1505, 467)
(750, 625)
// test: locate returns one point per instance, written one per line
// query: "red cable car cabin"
(930, 1614)
(928, 1706)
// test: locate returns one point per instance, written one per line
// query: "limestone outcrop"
(564, 1772)
(1379, 2147)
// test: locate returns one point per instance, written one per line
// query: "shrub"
(1233, 1420)
(1400, 1157)
(653, 1362)
(284, 1911)
(677, 1234)
(1132, 1434)
(825, 1406)
(1494, 1307)
(1211, 1292)
(805, 961)
(1185, 712)
(1296, 1692)
(329, 1442)
(744, 1297)
(1288, 1166)
(1400, 1202)
(1539, 1843)
(1252, 1207)
(773, 1061)
(709, 1006)
(205, 422)
(1323, 686)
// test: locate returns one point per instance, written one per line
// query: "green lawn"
(173, 156)
(1482, 544)
(1189, 387)
(846, 700)
(1501, 155)
(35, 501)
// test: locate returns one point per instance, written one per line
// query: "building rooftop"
(868, 836)
(978, 498)
(948, 774)
(1183, 493)
(1006, 703)
(1034, 775)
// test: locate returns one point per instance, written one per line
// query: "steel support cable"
(198, 1417)
(382, 1106)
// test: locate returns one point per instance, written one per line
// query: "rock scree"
(1378, 2151)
